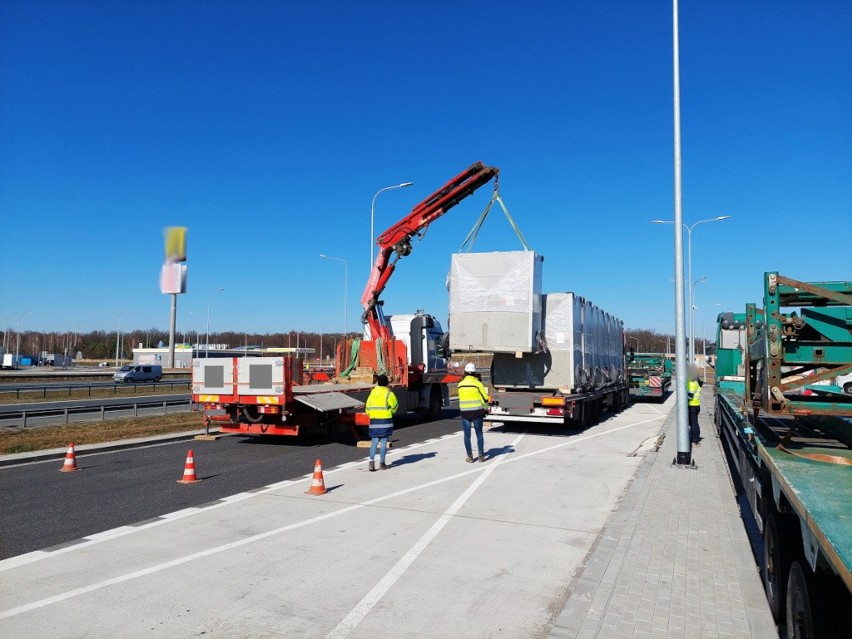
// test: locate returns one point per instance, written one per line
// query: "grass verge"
(46, 437)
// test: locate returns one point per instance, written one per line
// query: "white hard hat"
(470, 367)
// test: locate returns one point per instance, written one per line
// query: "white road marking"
(107, 534)
(362, 609)
(20, 560)
(270, 533)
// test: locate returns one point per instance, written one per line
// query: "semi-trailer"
(790, 444)
(650, 375)
(576, 372)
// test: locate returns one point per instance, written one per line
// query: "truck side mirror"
(631, 354)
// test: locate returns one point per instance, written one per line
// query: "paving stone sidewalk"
(674, 560)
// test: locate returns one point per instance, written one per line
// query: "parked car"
(139, 373)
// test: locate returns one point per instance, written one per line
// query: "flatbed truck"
(650, 376)
(268, 396)
(790, 447)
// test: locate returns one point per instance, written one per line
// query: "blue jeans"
(382, 451)
(480, 441)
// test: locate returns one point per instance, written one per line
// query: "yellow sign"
(175, 244)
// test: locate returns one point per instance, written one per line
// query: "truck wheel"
(777, 534)
(435, 404)
(847, 388)
(800, 618)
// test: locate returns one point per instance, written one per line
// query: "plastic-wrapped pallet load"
(584, 350)
(495, 301)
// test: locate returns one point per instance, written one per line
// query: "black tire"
(156, 380)
(800, 617)
(436, 403)
(847, 388)
(777, 540)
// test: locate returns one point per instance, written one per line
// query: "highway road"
(43, 507)
(31, 414)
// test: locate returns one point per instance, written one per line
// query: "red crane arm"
(397, 239)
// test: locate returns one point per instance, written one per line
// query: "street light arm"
(401, 185)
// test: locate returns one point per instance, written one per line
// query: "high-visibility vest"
(472, 394)
(381, 405)
(693, 391)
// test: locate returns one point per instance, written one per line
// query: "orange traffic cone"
(317, 483)
(189, 470)
(70, 463)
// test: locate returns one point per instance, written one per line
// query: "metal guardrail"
(23, 412)
(72, 386)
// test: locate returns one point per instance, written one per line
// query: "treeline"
(648, 341)
(103, 344)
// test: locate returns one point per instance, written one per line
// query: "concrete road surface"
(433, 547)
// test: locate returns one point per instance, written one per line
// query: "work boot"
(385, 466)
(469, 459)
(481, 457)
(372, 467)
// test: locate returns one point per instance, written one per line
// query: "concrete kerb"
(59, 453)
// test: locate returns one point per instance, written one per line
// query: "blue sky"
(267, 127)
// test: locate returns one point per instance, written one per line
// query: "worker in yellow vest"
(473, 400)
(693, 392)
(381, 405)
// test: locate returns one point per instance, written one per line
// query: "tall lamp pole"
(345, 278)
(118, 337)
(209, 301)
(373, 216)
(689, 267)
(18, 337)
(692, 307)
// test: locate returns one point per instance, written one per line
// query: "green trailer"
(790, 443)
(650, 375)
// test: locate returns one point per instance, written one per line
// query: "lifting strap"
(474, 232)
(380, 357)
(353, 357)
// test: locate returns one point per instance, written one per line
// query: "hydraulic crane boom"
(397, 239)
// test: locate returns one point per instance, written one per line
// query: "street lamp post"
(118, 337)
(689, 272)
(18, 337)
(373, 217)
(692, 319)
(207, 340)
(345, 278)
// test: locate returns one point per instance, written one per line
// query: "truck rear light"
(556, 412)
(552, 401)
(269, 410)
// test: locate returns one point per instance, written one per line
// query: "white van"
(139, 373)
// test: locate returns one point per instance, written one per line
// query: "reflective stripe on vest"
(693, 391)
(471, 395)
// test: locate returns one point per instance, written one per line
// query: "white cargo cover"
(261, 375)
(585, 350)
(213, 376)
(495, 301)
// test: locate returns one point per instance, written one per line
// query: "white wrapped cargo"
(585, 350)
(495, 302)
